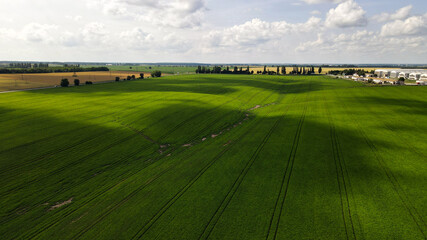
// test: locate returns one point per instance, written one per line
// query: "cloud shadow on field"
(203, 84)
(408, 106)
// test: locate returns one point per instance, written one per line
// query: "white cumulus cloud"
(398, 15)
(256, 31)
(321, 1)
(36, 32)
(136, 38)
(170, 13)
(363, 43)
(416, 25)
(346, 14)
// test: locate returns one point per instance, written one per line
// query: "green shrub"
(76, 82)
(156, 74)
(65, 82)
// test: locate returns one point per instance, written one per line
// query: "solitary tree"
(320, 70)
(141, 75)
(117, 79)
(156, 74)
(76, 82)
(65, 82)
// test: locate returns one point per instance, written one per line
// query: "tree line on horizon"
(281, 70)
(219, 70)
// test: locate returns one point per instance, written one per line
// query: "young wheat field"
(215, 157)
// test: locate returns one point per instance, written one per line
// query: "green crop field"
(215, 156)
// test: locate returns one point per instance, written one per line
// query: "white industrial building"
(412, 74)
(404, 75)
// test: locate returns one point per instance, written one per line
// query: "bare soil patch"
(58, 205)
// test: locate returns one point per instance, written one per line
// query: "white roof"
(422, 71)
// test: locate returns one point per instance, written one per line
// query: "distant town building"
(412, 74)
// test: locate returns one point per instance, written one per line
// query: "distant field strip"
(214, 157)
(10, 82)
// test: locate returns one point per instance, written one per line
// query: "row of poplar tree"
(239, 70)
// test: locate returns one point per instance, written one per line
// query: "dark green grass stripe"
(165, 207)
(81, 106)
(43, 139)
(82, 204)
(53, 152)
(13, 215)
(229, 196)
(285, 181)
(52, 136)
(138, 190)
(121, 140)
(49, 127)
(396, 185)
(76, 108)
(388, 125)
(341, 179)
(185, 120)
(339, 169)
(182, 123)
(183, 190)
(105, 214)
(29, 110)
(148, 115)
(347, 186)
(134, 192)
(413, 212)
(287, 177)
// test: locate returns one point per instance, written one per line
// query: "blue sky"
(220, 31)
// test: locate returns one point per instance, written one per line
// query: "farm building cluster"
(418, 75)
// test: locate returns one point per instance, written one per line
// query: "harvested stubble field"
(215, 156)
(36, 80)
